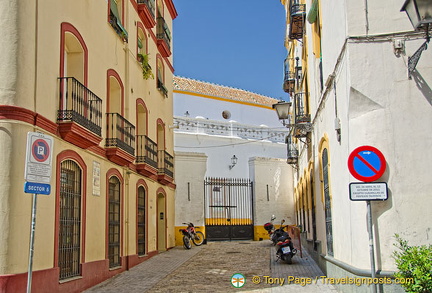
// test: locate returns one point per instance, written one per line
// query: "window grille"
(70, 220)
(328, 215)
(114, 223)
(141, 221)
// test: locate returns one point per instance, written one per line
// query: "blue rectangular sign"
(37, 188)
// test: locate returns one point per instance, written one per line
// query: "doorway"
(161, 222)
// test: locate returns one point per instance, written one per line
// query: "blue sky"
(236, 43)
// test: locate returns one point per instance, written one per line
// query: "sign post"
(368, 164)
(37, 175)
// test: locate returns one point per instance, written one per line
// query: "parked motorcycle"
(189, 234)
(269, 226)
(278, 233)
(284, 247)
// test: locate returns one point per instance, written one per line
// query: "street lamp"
(282, 109)
(420, 14)
(233, 162)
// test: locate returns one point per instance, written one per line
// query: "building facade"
(347, 78)
(231, 171)
(96, 76)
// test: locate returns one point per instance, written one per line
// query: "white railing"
(230, 128)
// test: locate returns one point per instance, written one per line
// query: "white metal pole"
(31, 249)
(371, 244)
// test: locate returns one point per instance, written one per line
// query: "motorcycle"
(269, 226)
(278, 233)
(284, 247)
(189, 234)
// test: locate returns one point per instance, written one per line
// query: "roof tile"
(211, 89)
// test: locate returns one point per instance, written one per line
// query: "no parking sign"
(38, 163)
(366, 163)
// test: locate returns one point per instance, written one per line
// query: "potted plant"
(146, 68)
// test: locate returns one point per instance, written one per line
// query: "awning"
(313, 12)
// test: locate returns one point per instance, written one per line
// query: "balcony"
(120, 139)
(297, 20)
(115, 21)
(79, 115)
(146, 11)
(165, 167)
(163, 36)
(162, 88)
(146, 158)
(302, 120)
(289, 82)
(292, 152)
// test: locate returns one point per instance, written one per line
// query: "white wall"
(220, 149)
(273, 190)
(190, 169)
(212, 109)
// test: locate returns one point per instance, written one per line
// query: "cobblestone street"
(209, 268)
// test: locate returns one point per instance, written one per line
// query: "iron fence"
(78, 104)
(146, 151)
(120, 133)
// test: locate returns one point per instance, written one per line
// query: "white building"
(230, 157)
(355, 91)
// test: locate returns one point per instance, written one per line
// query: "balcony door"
(73, 61)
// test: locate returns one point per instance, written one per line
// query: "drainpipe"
(366, 16)
(126, 174)
(126, 114)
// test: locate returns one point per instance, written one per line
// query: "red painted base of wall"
(45, 281)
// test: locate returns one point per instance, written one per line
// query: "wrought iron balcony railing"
(120, 133)
(162, 88)
(300, 115)
(165, 163)
(289, 82)
(146, 151)
(297, 20)
(78, 104)
(115, 22)
(302, 120)
(150, 5)
(292, 152)
(163, 32)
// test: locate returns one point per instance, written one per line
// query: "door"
(161, 223)
(228, 209)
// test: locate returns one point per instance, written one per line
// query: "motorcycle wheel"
(288, 258)
(198, 239)
(186, 242)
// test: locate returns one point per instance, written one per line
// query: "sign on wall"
(368, 191)
(96, 178)
(38, 164)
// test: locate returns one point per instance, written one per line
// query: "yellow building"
(96, 76)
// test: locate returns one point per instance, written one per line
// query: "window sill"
(70, 279)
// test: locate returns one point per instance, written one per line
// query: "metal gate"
(228, 209)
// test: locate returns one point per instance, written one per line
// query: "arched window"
(69, 249)
(161, 77)
(116, 18)
(141, 220)
(141, 41)
(314, 229)
(114, 221)
(327, 202)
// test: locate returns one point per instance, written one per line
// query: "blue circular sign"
(366, 163)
